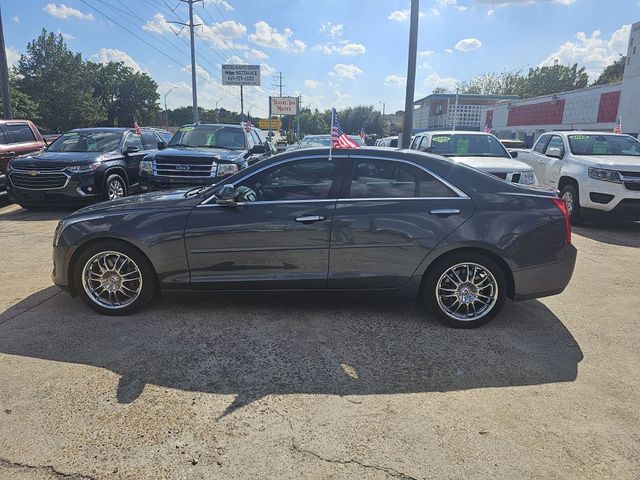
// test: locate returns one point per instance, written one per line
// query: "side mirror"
(162, 145)
(131, 149)
(258, 149)
(513, 153)
(226, 195)
(554, 152)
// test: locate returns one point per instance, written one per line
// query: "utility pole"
(407, 129)
(4, 76)
(279, 85)
(191, 25)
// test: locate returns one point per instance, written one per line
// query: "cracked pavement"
(317, 386)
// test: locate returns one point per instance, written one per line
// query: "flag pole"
(331, 133)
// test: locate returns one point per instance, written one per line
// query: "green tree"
(553, 79)
(22, 106)
(124, 93)
(613, 73)
(438, 90)
(59, 81)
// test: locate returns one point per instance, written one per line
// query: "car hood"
(153, 200)
(219, 154)
(59, 159)
(615, 162)
(493, 164)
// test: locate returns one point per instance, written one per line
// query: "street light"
(166, 112)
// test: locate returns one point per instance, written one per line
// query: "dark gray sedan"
(365, 220)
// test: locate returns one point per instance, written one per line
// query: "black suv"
(82, 165)
(202, 154)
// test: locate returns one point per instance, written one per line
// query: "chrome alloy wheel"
(112, 280)
(568, 199)
(115, 189)
(467, 292)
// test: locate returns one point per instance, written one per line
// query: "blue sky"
(332, 52)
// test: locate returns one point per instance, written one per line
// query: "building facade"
(594, 108)
(438, 111)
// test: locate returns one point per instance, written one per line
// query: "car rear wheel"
(465, 290)
(115, 187)
(114, 278)
(569, 194)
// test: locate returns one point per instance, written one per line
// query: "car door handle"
(444, 212)
(310, 219)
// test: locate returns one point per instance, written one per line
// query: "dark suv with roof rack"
(202, 154)
(83, 165)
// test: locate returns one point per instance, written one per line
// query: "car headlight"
(225, 169)
(528, 178)
(64, 223)
(604, 175)
(146, 166)
(90, 167)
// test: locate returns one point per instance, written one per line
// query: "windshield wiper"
(179, 145)
(192, 192)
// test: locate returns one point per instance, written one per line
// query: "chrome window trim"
(460, 194)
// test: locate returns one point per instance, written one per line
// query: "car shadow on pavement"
(23, 215)
(256, 345)
(614, 233)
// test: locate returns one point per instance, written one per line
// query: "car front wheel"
(465, 290)
(569, 194)
(114, 278)
(115, 187)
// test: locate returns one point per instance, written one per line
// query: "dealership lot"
(304, 386)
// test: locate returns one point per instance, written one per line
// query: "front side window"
(134, 140)
(209, 136)
(86, 142)
(18, 134)
(390, 179)
(296, 180)
(556, 142)
(604, 145)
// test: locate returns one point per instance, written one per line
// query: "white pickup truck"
(595, 172)
(476, 149)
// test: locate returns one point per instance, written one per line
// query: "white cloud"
(351, 49)
(434, 12)
(425, 53)
(400, 15)
(254, 54)
(16, 19)
(12, 56)
(321, 47)
(468, 44)
(158, 25)
(594, 52)
(448, 50)
(395, 81)
(266, 70)
(66, 36)
(106, 55)
(65, 12)
(222, 36)
(453, 4)
(268, 36)
(333, 30)
(222, 3)
(434, 80)
(346, 71)
(311, 83)
(507, 3)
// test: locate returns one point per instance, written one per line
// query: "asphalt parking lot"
(304, 386)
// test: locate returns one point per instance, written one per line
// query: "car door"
(390, 214)
(132, 160)
(537, 159)
(553, 165)
(276, 234)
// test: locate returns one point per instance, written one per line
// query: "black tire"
(570, 195)
(437, 271)
(148, 283)
(114, 179)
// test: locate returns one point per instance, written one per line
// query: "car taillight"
(562, 206)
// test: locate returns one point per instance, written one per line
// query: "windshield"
(325, 141)
(209, 136)
(462, 145)
(86, 142)
(604, 145)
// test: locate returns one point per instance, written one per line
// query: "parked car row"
(17, 137)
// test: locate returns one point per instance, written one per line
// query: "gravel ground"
(306, 386)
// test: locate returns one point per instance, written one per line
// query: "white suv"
(595, 172)
(476, 149)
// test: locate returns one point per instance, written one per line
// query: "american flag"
(136, 127)
(618, 127)
(339, 139)
(362, 135)
(247, 126)
(488, 128)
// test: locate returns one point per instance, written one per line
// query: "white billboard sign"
(284, 105)
(241, 75)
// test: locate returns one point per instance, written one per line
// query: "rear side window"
(415, 143)
(541, 143)
(391, 179)
(18, 134)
